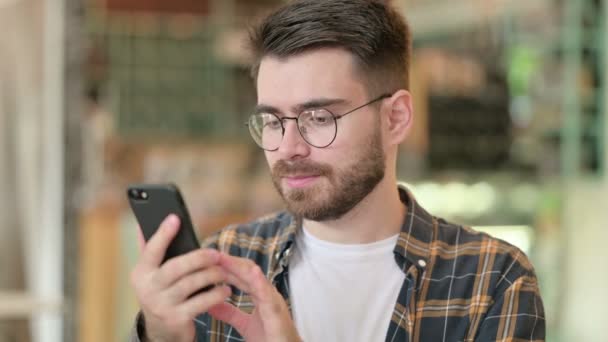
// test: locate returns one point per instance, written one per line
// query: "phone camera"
(134, 193)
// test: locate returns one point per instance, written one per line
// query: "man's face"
(322, 183)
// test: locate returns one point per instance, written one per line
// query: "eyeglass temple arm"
(381, 97)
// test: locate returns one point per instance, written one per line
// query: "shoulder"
(462, 252)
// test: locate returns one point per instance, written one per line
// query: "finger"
(180, 266)
(204, 301)
(189, 284)
(237, 282)
(155, 249)
(141, 241)
(248, 274)
(268, 301)
(230, 314)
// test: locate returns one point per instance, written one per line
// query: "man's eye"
(273, 124)
(321, 118)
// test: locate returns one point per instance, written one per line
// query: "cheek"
(338, 157)
(351, 140)
(357, 129)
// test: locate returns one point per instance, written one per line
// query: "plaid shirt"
(460, 285)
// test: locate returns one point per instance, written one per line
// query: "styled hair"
(372, 31)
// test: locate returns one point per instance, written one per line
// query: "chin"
(301, 196)
(322, 214)
(315, 209)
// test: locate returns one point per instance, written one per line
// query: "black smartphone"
(152, 203)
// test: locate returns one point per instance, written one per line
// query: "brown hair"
(372, 31)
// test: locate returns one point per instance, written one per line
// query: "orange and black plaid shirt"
(460, 285)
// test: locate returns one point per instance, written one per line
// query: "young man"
(354, 258)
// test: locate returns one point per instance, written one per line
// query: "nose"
(293, 145)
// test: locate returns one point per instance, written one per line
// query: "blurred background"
(509, 137)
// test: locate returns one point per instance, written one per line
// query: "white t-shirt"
(343, 292)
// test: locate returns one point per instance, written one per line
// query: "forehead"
(323, 73)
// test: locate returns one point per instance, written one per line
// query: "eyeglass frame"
(335, 117)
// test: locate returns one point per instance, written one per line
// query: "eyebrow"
(310, 104)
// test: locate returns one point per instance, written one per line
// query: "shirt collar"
(287, 235)
(416, 231)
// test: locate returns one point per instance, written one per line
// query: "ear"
(400, 116)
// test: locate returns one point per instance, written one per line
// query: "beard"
(348, 186)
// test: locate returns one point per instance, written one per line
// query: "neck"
(377, 217)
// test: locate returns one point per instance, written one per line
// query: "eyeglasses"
(318, 127)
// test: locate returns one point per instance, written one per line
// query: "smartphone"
(152, 203)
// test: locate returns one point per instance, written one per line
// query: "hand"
(270, 321)
(163, 290)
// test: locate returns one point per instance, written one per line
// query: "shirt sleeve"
(517, 313)
(137, 333)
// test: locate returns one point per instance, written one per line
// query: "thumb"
(232, 315)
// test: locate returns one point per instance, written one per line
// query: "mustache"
(284, 168)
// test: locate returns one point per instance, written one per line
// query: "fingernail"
(210, 255)
(172, 220)
(214, 255)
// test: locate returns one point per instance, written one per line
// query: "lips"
(299, 181)
(300, 175)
